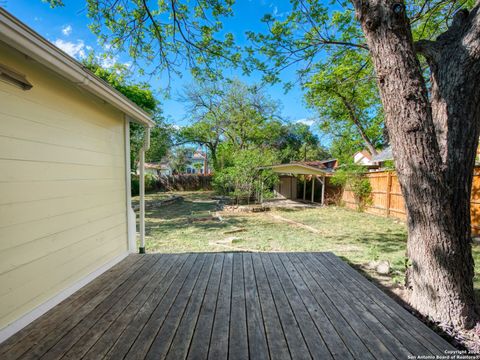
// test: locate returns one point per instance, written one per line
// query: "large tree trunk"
(434, 144)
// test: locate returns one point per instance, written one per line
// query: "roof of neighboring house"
(19, 36)
(157, 165)
(366, 154)
(198, 154)
(301, 168)
(384, 155)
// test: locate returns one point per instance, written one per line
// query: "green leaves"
(54, 3)
(169, 35)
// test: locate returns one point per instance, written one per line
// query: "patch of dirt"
(155, 204)
(295, 223)
(245, 208)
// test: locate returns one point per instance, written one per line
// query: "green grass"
(358, 238)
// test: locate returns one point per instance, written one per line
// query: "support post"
(261, 191)
(313, 188)
(388, 192)
(323, 190)
(141, 250)
(304, 187)
(144, 148)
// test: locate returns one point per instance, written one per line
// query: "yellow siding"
(62, 186)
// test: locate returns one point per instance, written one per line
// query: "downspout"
(131, 217)
(145, 147)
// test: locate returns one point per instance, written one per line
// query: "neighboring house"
(197, 162)
(65, 213)
(383, 156)
(158, 168)
(329, 164)
(363, 158)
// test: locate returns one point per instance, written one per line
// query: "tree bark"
(434, 142)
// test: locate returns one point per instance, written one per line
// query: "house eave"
(19, 36)
(299, 169)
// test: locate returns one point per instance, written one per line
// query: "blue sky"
(67, 28)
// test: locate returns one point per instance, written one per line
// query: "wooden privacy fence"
(387, 198)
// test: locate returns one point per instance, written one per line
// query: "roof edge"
(18, 35)
(323, 171)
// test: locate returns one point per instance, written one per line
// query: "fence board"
(387, 198)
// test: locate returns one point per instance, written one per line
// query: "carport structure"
(316, 170)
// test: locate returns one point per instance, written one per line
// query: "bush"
(244, 179)
(353, 178)
(150, 183)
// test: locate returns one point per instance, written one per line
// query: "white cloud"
(77, 50)
(107, 62)
(67, 30)
(305, 121)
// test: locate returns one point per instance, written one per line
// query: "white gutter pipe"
(131, 217)
(145, 147)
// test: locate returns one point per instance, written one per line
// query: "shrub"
(353, 178)
(244, 179)
(150, 183)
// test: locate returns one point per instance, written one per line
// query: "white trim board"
(29, 317)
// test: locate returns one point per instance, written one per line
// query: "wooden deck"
(219, 306)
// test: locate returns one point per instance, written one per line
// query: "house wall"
(287, 187)
(62, 192)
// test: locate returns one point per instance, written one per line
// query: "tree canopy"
(171, 35)
(233, 116)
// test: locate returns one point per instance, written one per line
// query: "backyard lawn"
(192, 225)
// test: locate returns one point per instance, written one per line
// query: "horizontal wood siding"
(62, 186)
(387, 198)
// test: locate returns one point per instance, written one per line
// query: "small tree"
(179, 160)
(353, 178)
(244, 179)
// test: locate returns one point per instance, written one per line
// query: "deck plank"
(277, 343)
(343, 304)
(203, 329)
(257, 341)
(151, 309)
(138, 308)
(238, 344)
(219, 339)
(84, 335)
(349, 336)
(79, 303)
(388, 339)
(227, 306)
(314, 340)
(71, 323)
(296, 343)
(180, 340)
(146, 337)
(418, 329)
(334, 342)
(414, 346)
(123, 311)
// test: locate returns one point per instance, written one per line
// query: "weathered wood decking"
(219, 306)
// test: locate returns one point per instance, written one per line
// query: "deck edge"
(41, 309)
